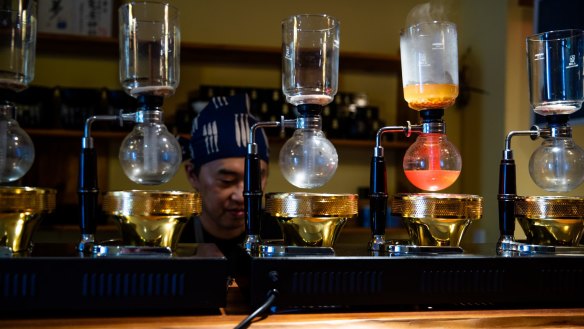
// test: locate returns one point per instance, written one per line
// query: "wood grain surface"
(532, 318)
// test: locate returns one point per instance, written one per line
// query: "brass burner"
(151, 218)
(21, 209)
(551, 220)
(311, 219)
(436, 219)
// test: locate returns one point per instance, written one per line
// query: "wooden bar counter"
(552, 316)
(236, 311)
(534, 318)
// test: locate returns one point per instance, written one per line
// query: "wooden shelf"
(82, 46)
(397, 145)
(359, 143)
(65, 133)
(100, 47)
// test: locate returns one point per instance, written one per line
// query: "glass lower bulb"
(16, 151)
(432, 163)
(557, 165)
(308, 159)
(150, 155)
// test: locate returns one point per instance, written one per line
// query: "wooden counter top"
(534, 318)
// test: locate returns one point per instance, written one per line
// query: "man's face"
(220, 185)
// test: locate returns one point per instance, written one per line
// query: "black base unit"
(352, 278)
(55, 279)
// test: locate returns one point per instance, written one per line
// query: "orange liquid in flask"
(434, 178)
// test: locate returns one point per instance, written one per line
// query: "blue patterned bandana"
(221, 130)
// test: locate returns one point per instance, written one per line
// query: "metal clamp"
(283, 250)
(400, 249)
(526, 249)
(104, 250)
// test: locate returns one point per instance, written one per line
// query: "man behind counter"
(218, 146)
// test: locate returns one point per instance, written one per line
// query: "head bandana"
(221, 130)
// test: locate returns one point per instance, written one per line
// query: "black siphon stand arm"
(252, 194)
(378, 201)
(378, 189)
(88, 195)
(507, 193)
(88, 190)
(431, 122)
(252, 183)
(557, 127)
(506, 197)
(252, 189)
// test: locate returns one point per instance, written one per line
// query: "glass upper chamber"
(18, 27)
(149, 48)
(429, 62)
(555, 62)
(149, 71)
(310, 62)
